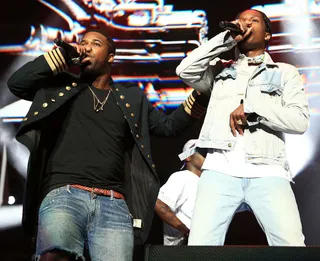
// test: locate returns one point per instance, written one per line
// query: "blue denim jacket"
(274, 95)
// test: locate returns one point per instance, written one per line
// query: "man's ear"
(267, 37)
(188, 159)
(111, 58)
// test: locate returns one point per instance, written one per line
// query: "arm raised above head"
(196, 69)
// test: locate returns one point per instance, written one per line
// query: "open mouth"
(85, 60)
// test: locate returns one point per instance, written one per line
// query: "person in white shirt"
(253, 103)
(177, 196)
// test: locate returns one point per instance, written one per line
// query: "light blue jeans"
(69, 216)
(271, 199)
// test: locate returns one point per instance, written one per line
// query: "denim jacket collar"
(267, 63)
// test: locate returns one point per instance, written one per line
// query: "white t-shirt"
(233, 163)
(179, 193)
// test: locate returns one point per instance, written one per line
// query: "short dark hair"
(266, 20)
(110, 42)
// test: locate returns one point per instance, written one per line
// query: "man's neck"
(102, 82)
(194, 170)
(254, 53)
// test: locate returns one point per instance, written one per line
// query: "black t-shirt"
(90, 147)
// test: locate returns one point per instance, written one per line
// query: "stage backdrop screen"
(152, 37)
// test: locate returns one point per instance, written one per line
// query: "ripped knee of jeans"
(59, 253)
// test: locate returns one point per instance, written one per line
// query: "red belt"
(98, 191)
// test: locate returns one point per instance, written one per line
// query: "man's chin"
(87, 69)
(247, 46)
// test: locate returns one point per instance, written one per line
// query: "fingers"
(232, 124)
(237, 120)
(242, 26)
(238, 124)
(243, 119)
(80, 49)
(239, 129)
(247, 32)
(235, 126)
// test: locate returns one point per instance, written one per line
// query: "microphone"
(225, 25)
(70, 50)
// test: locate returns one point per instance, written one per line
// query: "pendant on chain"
(97, 102)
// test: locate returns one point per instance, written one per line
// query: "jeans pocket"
(122, 206)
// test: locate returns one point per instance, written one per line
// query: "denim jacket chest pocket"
(268, 81)
(224, 83)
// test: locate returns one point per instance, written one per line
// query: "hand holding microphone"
(225, 25)
(238, 29)
(75, 52)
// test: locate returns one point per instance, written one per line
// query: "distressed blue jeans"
(220, 196)
(69, 217)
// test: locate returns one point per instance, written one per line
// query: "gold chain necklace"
(97, 104)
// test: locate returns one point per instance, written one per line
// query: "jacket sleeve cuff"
(56, 60)
(254, 119)
(195, 105)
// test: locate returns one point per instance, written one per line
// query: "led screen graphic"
(149, 34)
(152, 38)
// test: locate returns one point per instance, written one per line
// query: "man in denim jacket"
(253, 103)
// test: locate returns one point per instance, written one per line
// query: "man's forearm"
(165, 213)
(194, 69)
(25, 82)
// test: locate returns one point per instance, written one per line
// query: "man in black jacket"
(91, 177)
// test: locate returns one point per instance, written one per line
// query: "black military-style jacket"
(46, 82)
